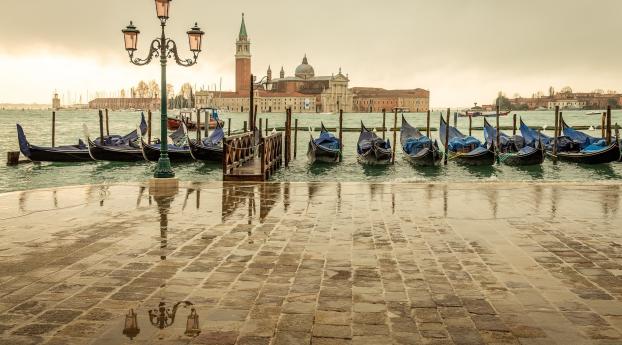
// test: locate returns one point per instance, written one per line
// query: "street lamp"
(163, 48)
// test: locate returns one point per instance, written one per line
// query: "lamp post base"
(163, 186)
(164, 169)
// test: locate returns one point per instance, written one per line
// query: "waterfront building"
(570, 104)
(369, 99)
(569, 100)
(55, 101)
(118, 103)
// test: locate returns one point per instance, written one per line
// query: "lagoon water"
(69, 127)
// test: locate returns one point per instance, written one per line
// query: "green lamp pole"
(163, 48)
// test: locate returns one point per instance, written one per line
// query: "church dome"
(304, 70)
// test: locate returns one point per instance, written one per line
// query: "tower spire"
(243, 35)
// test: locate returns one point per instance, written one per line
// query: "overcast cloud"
(461, 50)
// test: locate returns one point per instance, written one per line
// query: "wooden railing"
(272, 154)
(237, 150)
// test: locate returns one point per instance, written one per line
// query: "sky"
(463, 51)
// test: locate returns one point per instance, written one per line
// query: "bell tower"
(242, 61)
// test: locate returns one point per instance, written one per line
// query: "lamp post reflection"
(163, 317)
(164, 206)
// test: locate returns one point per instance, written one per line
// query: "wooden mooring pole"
(394, 136)
(295, 137)
(107, 123)
(427, 124)
(384, 121)
(446, 143)
(229, 127)
(149, 126)
(340, 135)
(602, 124)
(101, 128)
(498, 139)
(207, 116)
(266, 126)
(470, 125)
(514, 125)
(245, 128)
(53, 128)
(198, 125)
(254, 126)
(12, 158)
(608, 125)
(555, 135)
(252, 104)
(456, 119)
(260, 126)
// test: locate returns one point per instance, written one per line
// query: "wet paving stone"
(321, 263)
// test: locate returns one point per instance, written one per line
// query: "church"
(303, 92)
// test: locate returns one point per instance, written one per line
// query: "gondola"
(532, 137)
(67, 153)
(464, 149)
(593, 150)
(210, 148)
(326, 148)
(371, 149)
(513, 150)
(177, 152)
(419, 149)
(127, 149)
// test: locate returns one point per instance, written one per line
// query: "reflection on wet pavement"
(312, 263)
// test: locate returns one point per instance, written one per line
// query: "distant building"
(125, 103)
(55, 101)
(569, 100)
(368, 99)
(570, 104)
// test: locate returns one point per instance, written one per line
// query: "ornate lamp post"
(163, 48)
(163, 317)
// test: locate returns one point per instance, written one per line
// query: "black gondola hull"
(608, 155)
(317, 153)
(152, 154)
(375, 156)
(115, 153)
(484, 158)
(42, 154)
(533, 158)
(429, 157)
(205, 153)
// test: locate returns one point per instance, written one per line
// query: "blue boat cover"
(596, 146)
(531, 136)
(215, 138)
(414, 145)
(583, 139)
(327, 140)
(460, 144)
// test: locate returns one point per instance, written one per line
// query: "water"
(69, 127)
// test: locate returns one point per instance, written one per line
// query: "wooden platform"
(249, 171)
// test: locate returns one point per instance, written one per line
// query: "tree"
(122, 93)
(154, 89)
(142, 89)
(551, 91)
(539, 94)
(502, 101)
(599, 91)
(170, 90)
(566, 90)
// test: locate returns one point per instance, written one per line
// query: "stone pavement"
(316, 263)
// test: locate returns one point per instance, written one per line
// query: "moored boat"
(371, 149)
(513, 150)
(592, 150)
(178, 151)
(326, 148)
(210, 148)
(126, 149)
(66, 153)
(464, 149)
(419, 149)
